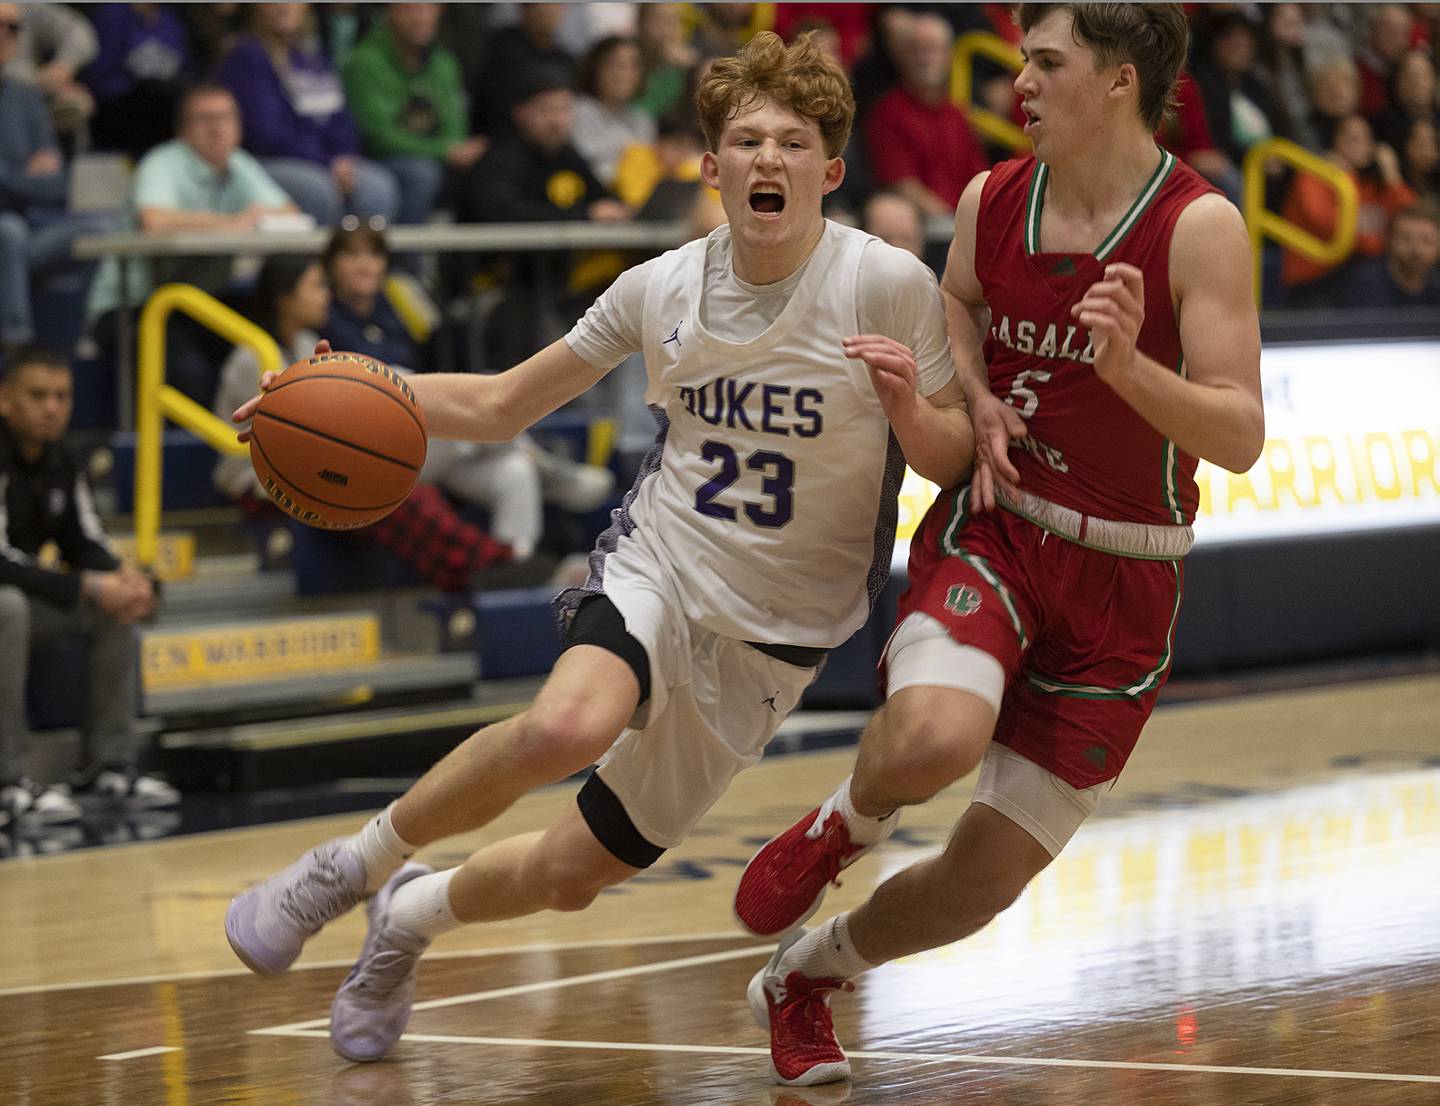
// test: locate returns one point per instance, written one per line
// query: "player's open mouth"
(1031, 119)
(766, 199)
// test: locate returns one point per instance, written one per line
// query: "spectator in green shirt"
(668, 55)
(408, 97)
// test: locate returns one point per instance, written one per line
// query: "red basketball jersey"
(1088, 449)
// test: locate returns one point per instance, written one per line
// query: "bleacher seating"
(188, 463)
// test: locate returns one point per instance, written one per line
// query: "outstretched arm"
(471, 407)
(1214, 409)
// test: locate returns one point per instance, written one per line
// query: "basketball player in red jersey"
(1100, 318)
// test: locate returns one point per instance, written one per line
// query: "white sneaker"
(130, 791)
(572, 571)
(38, 803)
(572, 485)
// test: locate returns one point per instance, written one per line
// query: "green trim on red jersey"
(1035, 202)
(1172, 467)
(960, 511)
(1146, 683)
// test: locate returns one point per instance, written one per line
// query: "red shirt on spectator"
(1187, 132)
(1313, 205)
(931, 142)
(1001, 18)
(1374, 90)
(851, 23)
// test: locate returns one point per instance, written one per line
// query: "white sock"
(826, 952)
(864, 830)
(381, 849)
(423, 905)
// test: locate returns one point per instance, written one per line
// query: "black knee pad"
(597, 621)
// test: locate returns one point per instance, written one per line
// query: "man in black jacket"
(534, 174)
(59, 579)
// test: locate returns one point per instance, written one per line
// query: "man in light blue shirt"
(200, 180)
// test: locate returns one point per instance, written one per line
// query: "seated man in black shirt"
(534, 174)
(47, 519)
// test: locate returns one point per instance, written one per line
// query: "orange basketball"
(338, 440)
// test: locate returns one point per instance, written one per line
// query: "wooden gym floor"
(1254, 918)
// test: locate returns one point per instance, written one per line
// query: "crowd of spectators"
(487, 113)
(237, 116)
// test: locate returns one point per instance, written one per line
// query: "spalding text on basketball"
(371, 366)
(304, 514)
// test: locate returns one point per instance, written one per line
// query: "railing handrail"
(155, 401)
(1262, 222)
(962, 78)
(405, 238)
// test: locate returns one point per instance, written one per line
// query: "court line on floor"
(752, 951)
(135, 1054)
(868, 1054)
(441, 954)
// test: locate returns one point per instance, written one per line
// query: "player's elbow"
(950, 473)
(494, 414)
(500, 425)
(1249, 442)
(949, 467)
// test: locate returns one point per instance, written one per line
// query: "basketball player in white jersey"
(790, 361)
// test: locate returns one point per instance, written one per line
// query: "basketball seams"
(291, 486)
(355, 440)
(337, 441)
(404, 405)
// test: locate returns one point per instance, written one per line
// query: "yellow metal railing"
(1264, 223)
(157, 401)
(962, 79)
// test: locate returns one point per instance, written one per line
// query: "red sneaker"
(796, 1010)
(785, 881)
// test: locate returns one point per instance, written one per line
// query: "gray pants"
(108, 680)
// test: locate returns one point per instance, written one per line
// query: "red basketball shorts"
(1084, 636)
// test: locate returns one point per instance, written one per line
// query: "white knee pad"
(1036, 800)
(921, 653)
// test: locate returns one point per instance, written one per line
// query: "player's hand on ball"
(996, 424)
(892, 372)
(246, 411)
(1114, 310)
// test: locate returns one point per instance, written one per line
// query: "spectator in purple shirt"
(293, 108)
(144, 63)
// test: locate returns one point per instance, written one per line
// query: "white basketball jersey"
(774, 495)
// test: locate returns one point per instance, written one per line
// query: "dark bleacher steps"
(254, 686)
(388, 741)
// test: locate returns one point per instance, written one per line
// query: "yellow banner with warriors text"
(175, 659)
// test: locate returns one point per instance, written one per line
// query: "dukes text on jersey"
(751, 405)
